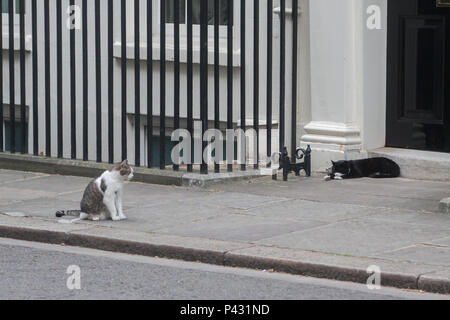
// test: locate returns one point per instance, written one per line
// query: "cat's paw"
(327, 178)
(119, 218)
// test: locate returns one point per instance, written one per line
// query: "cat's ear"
(124, 163)
(333, 163)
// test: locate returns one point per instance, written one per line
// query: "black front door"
(418, 77)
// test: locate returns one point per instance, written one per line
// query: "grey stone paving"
(398, 219)
(235, 227)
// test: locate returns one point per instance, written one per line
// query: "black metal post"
(282, 73)
(98, 80)
(162, 125)
(190, 78)
(176, 124)
(137, 85)
(35, 78)
(216, 78)
(12, 91)
(288, 165)
(110, 81)
(149, 84)
(256, 78)
(243, 94)
(204, 76)
(24, 137)
(73, 93)
(85, 82)
(230, 72)
(59, 79)
(123, 12)
(294, 77)
(47, 78)
(269, 79)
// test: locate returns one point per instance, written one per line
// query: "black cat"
(372, 168)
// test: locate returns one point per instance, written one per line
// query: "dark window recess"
(171, 144)
(156, 151)
(223, 12)
(5, 6)
(18, 135)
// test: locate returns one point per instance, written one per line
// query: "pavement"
(334, 230)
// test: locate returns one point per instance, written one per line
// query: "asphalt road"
(39, 271)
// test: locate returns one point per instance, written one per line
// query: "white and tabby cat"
(102, 198)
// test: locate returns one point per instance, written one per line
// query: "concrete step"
(417, 164)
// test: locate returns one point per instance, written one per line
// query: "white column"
(336, 86)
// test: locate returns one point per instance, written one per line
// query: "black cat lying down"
(372, 168)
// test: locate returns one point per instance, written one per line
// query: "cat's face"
(125, 170)
(340, 167)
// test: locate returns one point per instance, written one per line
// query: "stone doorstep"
(404, 275)
(417, 164)
(92, 169)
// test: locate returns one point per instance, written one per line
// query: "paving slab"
(444, 242)
(164, 215)
(11, 176)
(390, 193)
(74, 196)
(412, 217)
(320, 211)
(40, 207)
(429, 254)
(53, 183)
(11, 195)
(233, 200)
(358, 237)
(239, 227)
(145, 195)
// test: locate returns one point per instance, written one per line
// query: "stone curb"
(92, 169)
(426, 283)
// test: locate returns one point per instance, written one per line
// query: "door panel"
(418, 64)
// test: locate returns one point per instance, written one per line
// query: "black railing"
(111, 16)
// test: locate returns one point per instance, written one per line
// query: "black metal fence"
(111, 16)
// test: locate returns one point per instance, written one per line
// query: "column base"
(331, 141)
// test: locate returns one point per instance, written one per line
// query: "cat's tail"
(70, 213)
